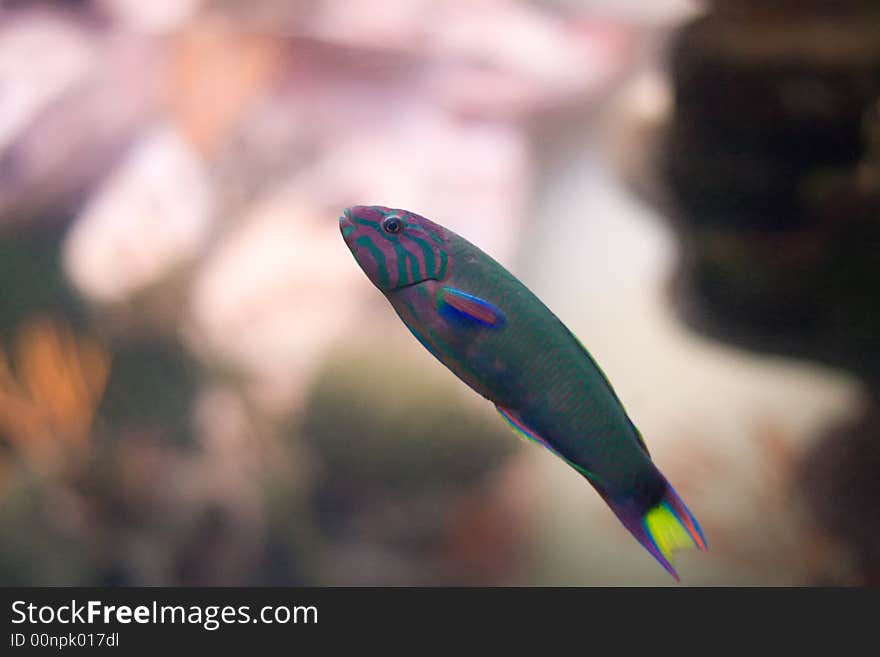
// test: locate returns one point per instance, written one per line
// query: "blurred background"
(198, 386)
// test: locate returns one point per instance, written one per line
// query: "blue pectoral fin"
(454, 303)
(523, 431)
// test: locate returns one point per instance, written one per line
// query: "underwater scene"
(439, 293)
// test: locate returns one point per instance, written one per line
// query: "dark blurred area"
(772, 158)
(772, 161)
(199, 387)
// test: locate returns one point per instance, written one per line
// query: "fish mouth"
(346, 226)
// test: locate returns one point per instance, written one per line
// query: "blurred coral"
(149, 219)
(388, 453)
(58, 140)
(197, 385)
(48, 399)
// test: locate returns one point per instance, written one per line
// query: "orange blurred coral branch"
(48, 400)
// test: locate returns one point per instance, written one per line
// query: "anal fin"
(521, 429)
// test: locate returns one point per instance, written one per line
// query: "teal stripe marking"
(366, 222)
(436, 239)
(414, 270)
(367, 243)
(403, 255)
(428, 252)
(427, 232)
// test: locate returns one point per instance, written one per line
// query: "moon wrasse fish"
(487, 327)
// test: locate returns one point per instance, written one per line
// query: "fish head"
(395, 248)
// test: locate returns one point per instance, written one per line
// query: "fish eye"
(391, 225)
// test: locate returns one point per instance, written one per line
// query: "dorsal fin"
(639, 439)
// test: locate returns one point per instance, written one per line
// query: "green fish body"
(500, 339)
